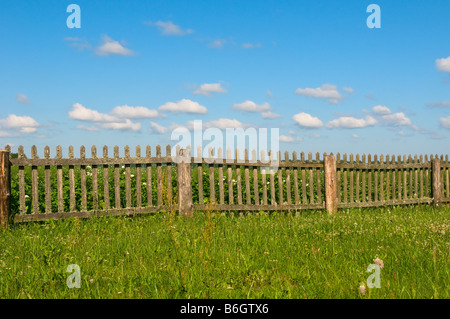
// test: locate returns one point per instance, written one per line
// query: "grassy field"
(311, 255)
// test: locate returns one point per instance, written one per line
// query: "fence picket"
(105, 179)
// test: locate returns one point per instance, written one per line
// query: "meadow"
(260, 255)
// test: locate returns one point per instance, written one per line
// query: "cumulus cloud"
(22, 98)
(327, 91)
(445, 122)
(349, 122)
(306, 120)
(121, 126)
(224, 123)
(250, 106)
(443, 64)
(270, 115)
(132, 112)
(391, 119)
(110, 47)
(183, 106)
(169, 28)
(349, 90)
(158, 128)
(81, 113)
(286, 138)
(22, 124)
(208, 89)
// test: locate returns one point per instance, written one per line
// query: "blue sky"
(136, 70)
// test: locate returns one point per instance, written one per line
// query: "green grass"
(312, 255)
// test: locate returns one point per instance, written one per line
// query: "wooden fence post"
(436, 181)
(184, 185)
(5, 189)
(330, 184)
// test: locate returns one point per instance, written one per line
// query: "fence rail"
(47, 188)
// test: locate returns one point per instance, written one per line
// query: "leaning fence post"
(436, 181)
(329, 164)
(184, 185)
(5, 189)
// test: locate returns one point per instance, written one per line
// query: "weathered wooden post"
(436, 181)
(5, 188)
(184, 183)
(330, 184)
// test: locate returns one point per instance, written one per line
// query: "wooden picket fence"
(217, 182)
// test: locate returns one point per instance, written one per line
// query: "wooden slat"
(127, 179)
(117, 180)
(106, 179)
(94, 180)
(22, 205)
(138, 179)
(447, 178)
(375, 187)
(338, 178)
(405, 182)
(381, 180)
(255, 179)
(288, 180)
(247, 179)
(48, 187)
(169, 176)
(358, 172)
(221, 189)
(148, 154)
(59, 181)
(427, 178)
(159, 181)
(296, 190)
(72, 206)
(280, 180)
(345, 180)
(304, 194)
(83, 180)
(311, 181)
(388, 178)
(230, 179)
(352, 181)
(273, 200)
(363, 182)
(319, 186)
(212, 189)
(264, 180)
(394, 185)
(399, 178)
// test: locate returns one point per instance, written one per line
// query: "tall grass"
(311, 255)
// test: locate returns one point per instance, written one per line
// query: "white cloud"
(222, 123)
(208, 89)
(285, 138)
(270, 115)
(122, 126)
(355, 136)
(183, 106)
(217, 44)
(78, 43)
(443, 64)
(306, 120)
(349, 90)
(250, 106)
(110, 46)
(396, 119)
(445, 122)
(158, 128)
(351, 122)
(81, 113)
(22, 98)
(133, 112)
(328, 91)
(381, 110)
(169, 28)
(23, 124)
(269, 94)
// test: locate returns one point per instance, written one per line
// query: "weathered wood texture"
(128, 185)
(5, 188)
